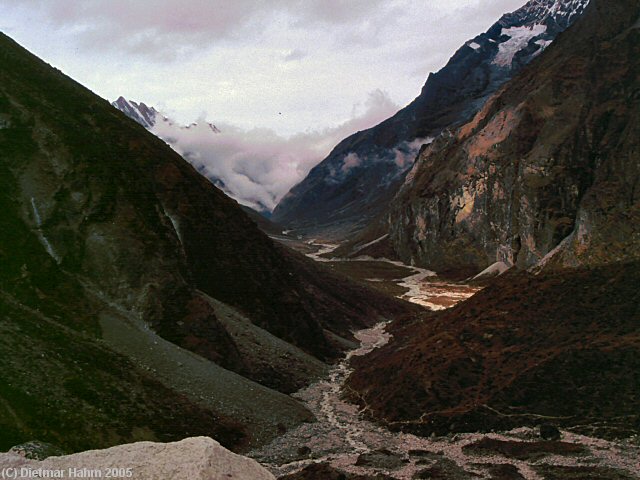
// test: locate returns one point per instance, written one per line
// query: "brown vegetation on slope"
(559, 347)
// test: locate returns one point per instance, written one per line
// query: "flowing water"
(423, 287)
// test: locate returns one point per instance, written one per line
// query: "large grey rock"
(190, 459)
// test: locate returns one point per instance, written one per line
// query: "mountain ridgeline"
(354, 184)
(137, 301)
(546, 174)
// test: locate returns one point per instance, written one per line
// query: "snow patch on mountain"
(519, 39)
(543, 43)
(568, 8)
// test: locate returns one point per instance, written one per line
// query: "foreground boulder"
(190, 459)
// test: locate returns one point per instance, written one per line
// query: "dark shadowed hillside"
(112, 243)
(561, 348)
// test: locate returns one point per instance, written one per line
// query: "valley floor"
(341, 441)
(414, 284)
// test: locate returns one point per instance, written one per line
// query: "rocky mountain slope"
(560, 348)
(137, 300)
(355, 182)
(546, 173)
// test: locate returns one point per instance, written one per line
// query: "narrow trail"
(343, 439)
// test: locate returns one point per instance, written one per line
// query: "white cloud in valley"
(285, 80)
(258, 166)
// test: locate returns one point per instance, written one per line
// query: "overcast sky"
(284, 80)
(287, 65)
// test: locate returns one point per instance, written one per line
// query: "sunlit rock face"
(545, 172)
(356, 181)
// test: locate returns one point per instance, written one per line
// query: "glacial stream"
(422, 285)
(342, 438)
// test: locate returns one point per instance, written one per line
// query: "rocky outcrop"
(354, 184)
(547, 172)
(198, 458)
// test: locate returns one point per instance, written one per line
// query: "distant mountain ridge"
(139, 112)
(149, 117)
(162, 126)
(360, 176)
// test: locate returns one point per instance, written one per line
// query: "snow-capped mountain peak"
(141, 113)
(333, 195)
(526, 32)
(562, 13)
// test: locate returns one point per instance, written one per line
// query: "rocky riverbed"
(341, 442)
(408, 282)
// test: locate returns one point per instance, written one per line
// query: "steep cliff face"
(112, 241)
(546, 174)
(547, 171)
(355, 182)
